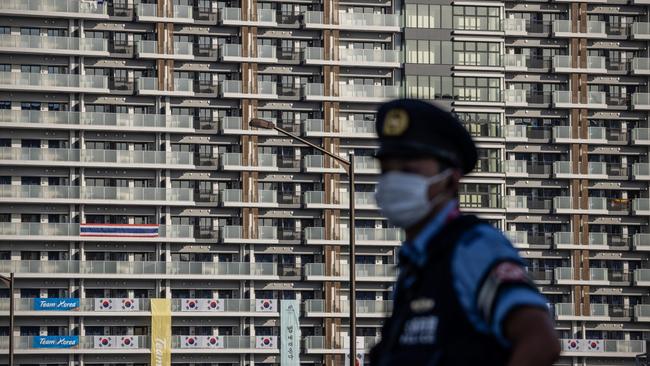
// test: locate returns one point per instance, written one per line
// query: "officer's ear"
(454, 180)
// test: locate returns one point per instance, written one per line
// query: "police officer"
(462, 297)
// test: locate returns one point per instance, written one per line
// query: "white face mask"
(404, 197)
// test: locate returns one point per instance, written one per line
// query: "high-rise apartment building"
(128, 172)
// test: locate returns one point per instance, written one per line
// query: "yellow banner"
(161, 332)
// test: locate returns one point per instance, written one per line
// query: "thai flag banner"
(120, 230)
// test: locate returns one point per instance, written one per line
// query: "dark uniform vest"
(428, 325)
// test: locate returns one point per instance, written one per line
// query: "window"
(477, 53)
(477, 89)
(428, 87)
(30, 31)
(428, 52)
(428, 16)
(477, 18)
(481, 124)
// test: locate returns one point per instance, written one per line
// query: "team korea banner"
(266, 342)
(117, 304)
(120, 230)
(202, 342)
(202, 305)
(115, 342)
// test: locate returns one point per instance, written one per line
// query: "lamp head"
(261, 123)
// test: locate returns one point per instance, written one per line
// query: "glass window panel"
(423, 16)
(423, 52)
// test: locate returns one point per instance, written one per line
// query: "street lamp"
(349, 166)
(9, 282)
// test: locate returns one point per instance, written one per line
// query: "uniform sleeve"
(482, 258)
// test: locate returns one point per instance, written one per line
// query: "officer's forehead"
(425, 165)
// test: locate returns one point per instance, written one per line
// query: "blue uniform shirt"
(477, 252)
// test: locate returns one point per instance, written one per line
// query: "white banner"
(593, 345)
(360, 351)
(583, 345)
(117, 304)
(115, 342)
(290, 333)
(202, 342)
(266, 342)
(266, 305)
(202, 305)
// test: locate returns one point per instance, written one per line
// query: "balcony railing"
(17, 80)
(50, 44)
(59, 229)
(136, 267)
(364, 307)
(16, 154)
(151, 47)
(181, 12)
(95, 119)
(56, 6)
(96, 193)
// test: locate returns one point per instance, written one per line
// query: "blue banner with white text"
(56, 304)
(55, 342)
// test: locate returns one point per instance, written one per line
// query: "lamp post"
(9, 282)
(349, 165)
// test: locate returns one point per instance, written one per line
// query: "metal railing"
(58, 6)
(96, 119)
(95, 156)
(53, 80)
(54, 43)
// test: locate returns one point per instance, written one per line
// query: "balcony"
(263, 163)
(234, 89)
(567, 170)
(129, 269)
(641, 136)
(69, 83)
(236, 126)
(641, 66)
(515, 62)
(234, 198)
(365, 309)
(565, 28)
(318, 200)
(352, 57)
(641, 171)
(67, 232)
(565, 276)
(515, 98)
(515, 27)
(525, 240)
(564, 99)
(55, 8)
(602, 348)
(364, 236)
(594, 241)
(641, 101)
(567, 311)
(181, 344)
(525, 133)
(53, 45)
(233, 16)
(233, 53)
(524, 204)
(234, 234)
(149, 13)
(151, 50)
(340, 345)
(642, 313)
(94, 121)
(595, 135)
(364, 272)
(364, 22)
(594, 65)
(151, 86)
(93, 157)
(642, 277)
(352, 93)
(641, 241)
(641, 31)
(347, 128)
(103, 195)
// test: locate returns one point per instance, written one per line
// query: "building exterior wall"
(129, 114)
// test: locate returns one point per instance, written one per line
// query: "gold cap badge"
(395, 122)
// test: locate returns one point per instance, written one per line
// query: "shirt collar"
(415, 251)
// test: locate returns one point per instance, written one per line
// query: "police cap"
(410, 128)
